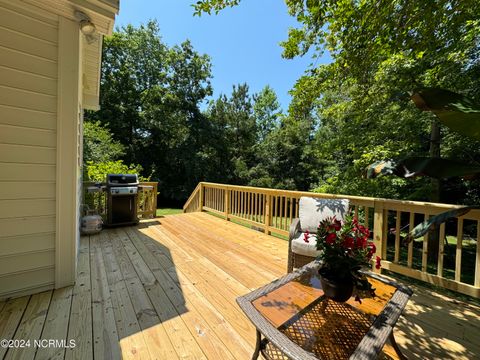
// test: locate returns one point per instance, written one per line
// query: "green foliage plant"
(99, 144)
(97, 171)
(462, 115)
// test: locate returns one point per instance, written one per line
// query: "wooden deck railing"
(193, 203)
(146, 204)
(273, 210)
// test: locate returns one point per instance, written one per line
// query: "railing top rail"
(140, 182)
(369, 201)
(148, 183)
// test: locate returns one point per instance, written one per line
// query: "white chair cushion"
(301, 247)
(313, 210)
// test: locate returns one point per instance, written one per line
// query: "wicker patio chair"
(311, 212)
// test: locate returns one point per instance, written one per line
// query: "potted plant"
(345, 249)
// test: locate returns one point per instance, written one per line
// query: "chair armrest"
(294, 228)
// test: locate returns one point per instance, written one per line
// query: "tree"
(98, 143)
(266, 110)
(150, 101)
(461, 115)
(398, 49)
(233, 121)
(380, 50)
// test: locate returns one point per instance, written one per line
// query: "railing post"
(378, 228)
(155, 194)
(200, 200)
(268, 201)
(226, 204)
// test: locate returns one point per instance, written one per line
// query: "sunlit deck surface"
(167, 288)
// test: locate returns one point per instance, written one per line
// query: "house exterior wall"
(40, 114)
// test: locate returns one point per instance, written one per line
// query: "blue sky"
(243, 42)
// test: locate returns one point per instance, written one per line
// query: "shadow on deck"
(167, 288)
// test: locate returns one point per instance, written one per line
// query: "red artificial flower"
(348, 242)
(361, 243)
(377, 263)
(372, 248)
(331, 238)
(337, 225)
(305, 236)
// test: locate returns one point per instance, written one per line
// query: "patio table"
(294, 320)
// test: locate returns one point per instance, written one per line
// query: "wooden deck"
(167, 290)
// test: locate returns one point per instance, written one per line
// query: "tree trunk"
(435, 139)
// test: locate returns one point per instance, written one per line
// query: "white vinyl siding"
(28, 140)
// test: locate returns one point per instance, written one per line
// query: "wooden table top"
(295, 306)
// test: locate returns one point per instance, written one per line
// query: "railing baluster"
(244, 204)
(280, 206)
(441, 238)
(397, 236)
(259, 199)
(477, 259)
(275, 210)
(277, 200)
(207, 197)
(253, 206)
(297, 201)
(291, 211)
(260, 207)
(458, 251)
(235, 201)
(411, 224)
(425, 248)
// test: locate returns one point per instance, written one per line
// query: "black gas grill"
(122, 197)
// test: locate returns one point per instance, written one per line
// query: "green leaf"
(455, 111)
(423, 166)
(423, 228)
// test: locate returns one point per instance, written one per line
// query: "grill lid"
(122, 180)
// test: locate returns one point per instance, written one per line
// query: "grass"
(168, 211)
(468, 257)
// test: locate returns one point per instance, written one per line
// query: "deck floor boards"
(167, 288)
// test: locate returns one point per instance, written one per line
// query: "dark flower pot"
(339, 290)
